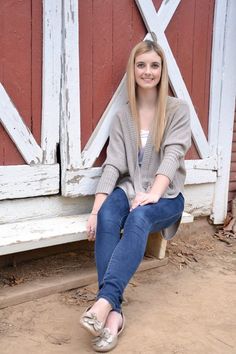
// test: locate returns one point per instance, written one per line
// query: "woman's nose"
(147, 69)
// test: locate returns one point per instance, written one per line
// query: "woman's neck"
(146, 102)
(146, 98)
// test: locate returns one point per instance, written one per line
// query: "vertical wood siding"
(232, 180)
(109, 29)
(20, 67)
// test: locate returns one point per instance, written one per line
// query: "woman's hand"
(91, 227)
(144, 198)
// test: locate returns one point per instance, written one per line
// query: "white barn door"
(79, 177)
(41, 174)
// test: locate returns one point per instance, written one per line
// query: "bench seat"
(37, 233)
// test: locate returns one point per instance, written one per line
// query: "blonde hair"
(159, 122)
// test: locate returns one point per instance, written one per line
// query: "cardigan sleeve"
(116, 161)
(176, 140)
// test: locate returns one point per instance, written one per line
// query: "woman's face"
(147, 69)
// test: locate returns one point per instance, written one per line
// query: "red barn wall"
(20, 68)
(108, 29)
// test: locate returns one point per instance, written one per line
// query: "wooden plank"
(36, 72)
(233, 156)
(70, 91)
(217, 73)
(202, 43)
(32, 234)
(40, 288)
(51, 79)
(232, 186)
(156, 246)
(83, 182)
(86, 68)
(226, 106)
(122, 44)
(167, 11)
(18, 70)
(102, 57)
(21, 181)
(148, 13)
(209, 163)
(38, 233)
(19, 133)
(199, 176)
(17, 210)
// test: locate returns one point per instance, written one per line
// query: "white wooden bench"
(38, 233)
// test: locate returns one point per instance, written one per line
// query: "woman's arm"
(92, 221)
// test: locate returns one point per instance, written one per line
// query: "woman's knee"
(137, 218)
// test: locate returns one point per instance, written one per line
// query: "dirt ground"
(186, 307)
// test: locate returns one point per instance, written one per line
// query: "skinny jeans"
(118, 255)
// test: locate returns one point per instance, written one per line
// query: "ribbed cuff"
(108, 180)
(168, 168)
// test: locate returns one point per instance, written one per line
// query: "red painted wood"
(108, 31)
(190, 33)
(115, 26)
(86, 68)
(16, 25)
(36, 71)
(232, 179)
(102, 57)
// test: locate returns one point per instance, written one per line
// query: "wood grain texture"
(18, 20)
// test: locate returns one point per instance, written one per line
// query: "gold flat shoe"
(107, 341)
(90, 322)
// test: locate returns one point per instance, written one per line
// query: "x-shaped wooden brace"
(155, 22)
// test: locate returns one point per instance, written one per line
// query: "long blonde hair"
(159, 122)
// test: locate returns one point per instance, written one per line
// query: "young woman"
(140, 190)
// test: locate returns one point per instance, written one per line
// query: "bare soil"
(186, 307)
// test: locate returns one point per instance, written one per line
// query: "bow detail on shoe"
(105, 342)
(91, 319)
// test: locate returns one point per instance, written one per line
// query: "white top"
(143, 135)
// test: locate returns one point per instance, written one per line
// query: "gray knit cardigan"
(121, 167)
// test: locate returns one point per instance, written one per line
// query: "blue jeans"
(118, 257)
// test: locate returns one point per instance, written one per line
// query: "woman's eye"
(155, 65)
(140, 65)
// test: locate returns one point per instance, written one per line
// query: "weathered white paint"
(200, 176)
(226, 106)
(17, 130)
(100, 135)
(149, 16)
(199, 199)
(70, 90)
(31, 234)
(166, 12)
(16, 210)
(217, 72)
(209, 163)
(21, 181)
(81, 182)
(51, 79)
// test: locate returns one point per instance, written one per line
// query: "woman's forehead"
(148, 56)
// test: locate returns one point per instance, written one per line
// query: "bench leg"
(156, 245)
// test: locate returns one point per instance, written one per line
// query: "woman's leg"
(129, 251)
(111, 218)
